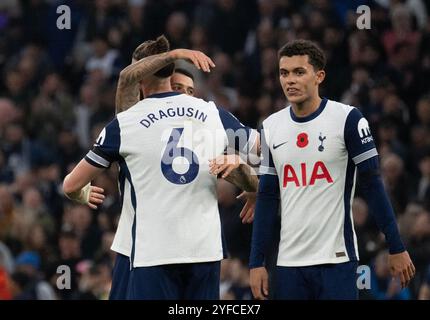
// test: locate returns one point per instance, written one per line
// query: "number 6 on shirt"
(171, 153)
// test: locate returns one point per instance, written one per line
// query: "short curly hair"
(152, 47)
(302, 48)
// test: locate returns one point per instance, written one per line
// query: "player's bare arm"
(227, 164)
(247, 213)
(231, 169)
(77, 185)
(243, 177)
(127, 93)
(259, 283)
(401, 266)
(126, 96)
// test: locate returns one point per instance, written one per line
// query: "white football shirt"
(163, 145)
(315, 159)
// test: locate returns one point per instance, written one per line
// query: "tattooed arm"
(232, 169)
(128, 89)
(243, 178)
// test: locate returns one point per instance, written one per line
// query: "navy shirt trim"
(163, 94)
(312, 116)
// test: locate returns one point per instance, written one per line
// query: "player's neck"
(307, 107)
(155, 87)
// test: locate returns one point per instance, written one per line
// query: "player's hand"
(96, 197)
(401, 266)
(247, 213)
(224, 164)
(198, 58)
(259, 282)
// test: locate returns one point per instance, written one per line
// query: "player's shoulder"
(352, 117)
(347, 116)
(351, 114)
(130, 112)
(339, 108)
(276, 117)
(195, 101)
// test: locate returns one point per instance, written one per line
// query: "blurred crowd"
(57, 91)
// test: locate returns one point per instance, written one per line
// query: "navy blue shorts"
(120, 276)
(188, 281)
(319, 282)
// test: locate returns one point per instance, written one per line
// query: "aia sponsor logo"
(299, 176)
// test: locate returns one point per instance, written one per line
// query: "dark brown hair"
(304, 48)
(151, 47)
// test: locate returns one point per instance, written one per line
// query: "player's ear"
(320, 76)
